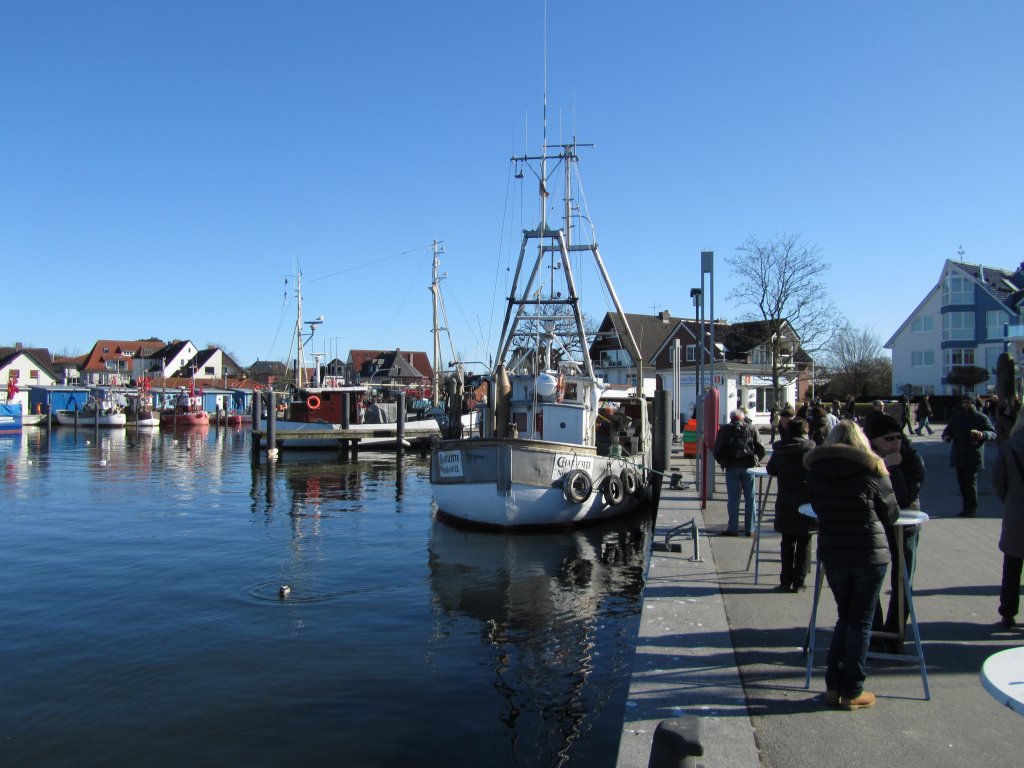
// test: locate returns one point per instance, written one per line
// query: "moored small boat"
(92, 414)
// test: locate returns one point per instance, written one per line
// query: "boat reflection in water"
(542, 604)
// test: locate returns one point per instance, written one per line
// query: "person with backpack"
(737, 449)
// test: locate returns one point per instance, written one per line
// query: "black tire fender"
(613, 491)
(630, 482)
(577, 486)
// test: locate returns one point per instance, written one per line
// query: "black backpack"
(740, 444)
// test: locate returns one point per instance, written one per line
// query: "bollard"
(677, 742)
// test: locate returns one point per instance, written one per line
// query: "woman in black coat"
(787, 464)
(851, 494)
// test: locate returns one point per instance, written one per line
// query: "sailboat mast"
(300, 364)
(435, 288)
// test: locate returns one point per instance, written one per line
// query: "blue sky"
(166, 165)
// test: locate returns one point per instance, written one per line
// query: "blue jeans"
(736, 478)
(856, 589)
(923, 424)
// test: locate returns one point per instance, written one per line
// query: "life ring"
(313, 402)
(613, 491)
(577, 486)
(630, 482)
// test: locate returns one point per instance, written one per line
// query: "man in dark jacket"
(968, 430)
(906, 473)
(737, 449)
(787, 464)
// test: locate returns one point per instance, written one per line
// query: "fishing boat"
(187, 411)
(141, 412)
(310, 412)
(93, 413)
(555, 450)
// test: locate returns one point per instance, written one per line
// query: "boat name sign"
(567, 461)
(450, 463)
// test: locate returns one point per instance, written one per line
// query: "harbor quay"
(714, 644)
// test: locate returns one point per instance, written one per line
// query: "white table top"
(907, 516)
(1002, 674)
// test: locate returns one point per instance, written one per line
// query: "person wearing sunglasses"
(906, 473)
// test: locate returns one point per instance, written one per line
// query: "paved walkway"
(715, 644)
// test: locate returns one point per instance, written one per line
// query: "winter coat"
(787, 464)
(850, 499)
(924, 410)
(966, 453)
(907, 477)
(720, 451)
(1009, 485)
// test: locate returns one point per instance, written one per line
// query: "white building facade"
(964, 320)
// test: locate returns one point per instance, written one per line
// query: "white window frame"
(958, 326)
(922, 358)
(691, 353)
(923, 324)
(957, 290)
(956, 356)
(994, 321)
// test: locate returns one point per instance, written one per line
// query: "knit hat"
(883, 424)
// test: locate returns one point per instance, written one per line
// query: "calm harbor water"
(140, 620)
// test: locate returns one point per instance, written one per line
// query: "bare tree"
(783, 282)
(857, 364)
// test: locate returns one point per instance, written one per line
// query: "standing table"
(763, 489)
(907, 517)
(1002, 674)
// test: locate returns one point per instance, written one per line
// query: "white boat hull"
(519, 483)
(68, 419)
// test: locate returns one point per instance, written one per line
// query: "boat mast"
(435, 290)
(300, 365)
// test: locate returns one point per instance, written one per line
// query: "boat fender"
(613, 491)
(577, 486)
(560, 388)
(313, 402)
(630, 482)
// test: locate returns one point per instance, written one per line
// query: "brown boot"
(863, 701)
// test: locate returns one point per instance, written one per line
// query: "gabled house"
(22, 368)
(268, 373)
(968, 318)
(408, 370)
(112, 362)
(212, 363)
(171, 360)
(742, 359)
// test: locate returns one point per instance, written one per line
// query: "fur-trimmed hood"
(841, 460)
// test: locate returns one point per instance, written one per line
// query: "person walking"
(787, 464)
(851, 494)
(1008, 481)
(924, 413)
(737, 449)
(967, 431)
(906, 474)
